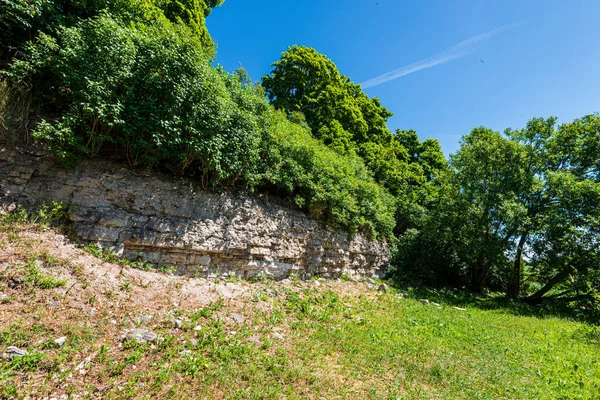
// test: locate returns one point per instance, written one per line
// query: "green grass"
(296, 340)
(359, 346)
(107, 255)
(30, 274)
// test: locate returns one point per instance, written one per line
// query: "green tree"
(518, 208)
(341, 115)
(22, 20)
(336, 109)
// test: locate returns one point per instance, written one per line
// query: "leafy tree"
(336, 109)
(22, 20)
(341, 115)
(562, 198)
(524, 201)
(148, 94)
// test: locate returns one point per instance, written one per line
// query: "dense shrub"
(322, 181)
(148, 94)
(23, 20)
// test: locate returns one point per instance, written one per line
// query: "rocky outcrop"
(174, 222)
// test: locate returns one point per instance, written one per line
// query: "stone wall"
(174, 222)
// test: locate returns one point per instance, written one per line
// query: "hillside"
(290, 339)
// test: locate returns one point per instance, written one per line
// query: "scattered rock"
(460, 309)
(83, 364)
(400, 295)
(383, 288)
(140, 335)
(12, 352)
(278, 336)
(435, 304)
(238, 318)
(371, 281)
(113, 321)
(193, 342)
(424, 301)
(144, 319)
(60, 341)
(185, 353)
(177, 323)
(197, 328)
(317, 283)
(93, 311)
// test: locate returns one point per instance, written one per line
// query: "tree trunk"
(514, 283)
(537, 296)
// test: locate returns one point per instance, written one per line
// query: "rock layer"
(174, 222)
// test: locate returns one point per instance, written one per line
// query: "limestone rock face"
(174, 222)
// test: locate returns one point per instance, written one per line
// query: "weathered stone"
(239, 319)
(383, 288)
(424, 301)
(12, 352)
(60, 341)
(172, 221)
(144, 319)
(140, 335)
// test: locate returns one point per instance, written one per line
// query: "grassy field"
(291, 339)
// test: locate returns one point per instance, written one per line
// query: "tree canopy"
(519, 211)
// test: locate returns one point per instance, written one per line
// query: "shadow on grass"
(498, 301)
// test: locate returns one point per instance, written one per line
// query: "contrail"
(453, 53)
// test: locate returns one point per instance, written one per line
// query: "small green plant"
(232, 278)
(126, 286)
(51, 214)
(36, 278)
(261, 277)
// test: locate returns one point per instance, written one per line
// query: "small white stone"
(197, 328)
(61, 340)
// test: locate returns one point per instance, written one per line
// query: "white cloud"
(453, 53)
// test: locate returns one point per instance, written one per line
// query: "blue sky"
(506, 61)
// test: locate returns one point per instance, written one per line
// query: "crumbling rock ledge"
(174, 222)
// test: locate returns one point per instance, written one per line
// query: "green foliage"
(341, 115)
(24, 20)
(336, 109)
(157, 102)
(327, 184)
(36, 278)
(52, 214)
(518, 211)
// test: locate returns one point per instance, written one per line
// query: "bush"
(327, 184)
(143, 93)
(148, 94)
